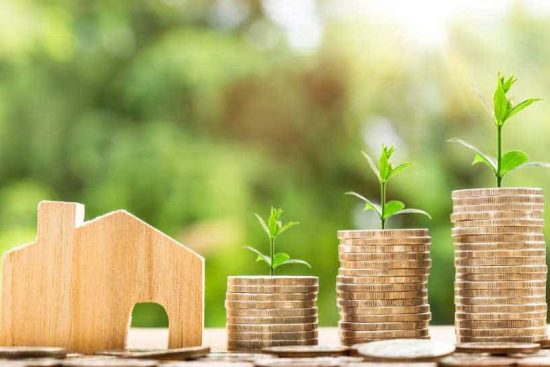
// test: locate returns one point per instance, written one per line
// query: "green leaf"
(392, 207)
(490, 161)
(520, 106)
(263, 224)
(296, 261)
(369, 205)
(413, 211)
(534, 164)
(480, 159)
(273, 221)
(279, 258)
(261, 257)
(500, 104)
(384, 164)
(400, 168)
(286, 227)
(511, 160)
(372, 166)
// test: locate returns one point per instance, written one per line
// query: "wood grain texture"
(77, 284)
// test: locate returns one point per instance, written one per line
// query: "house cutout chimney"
(57, 221)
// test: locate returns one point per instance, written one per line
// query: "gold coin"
(501, 269)
(490, 246)
(402, 287)
(414, 256)
(498, 348)
(384, 311)
(499, 300)
(500, 324)
(269, 335)
(413, 325)
(381, 295)
(185, 353)
(501, 223)
(476, 361)
(105, 362)
(270, 304)
(383, 272)
(473, 231)
(273, 288)
(500, 277)
(405, 350)
(383, 249)
(270, 297)
(498, 253)
(501, 308)
(249, 345)
(271, 328)
(501, 316)
(387, 242)
(272, 280)
(539, 207)
(381, 280)
(493, 339)
(266, 312)
(492, 215)
(353, 342)
(501, 292)
(499, 200)
(272, 320)
(382, 302)
(502, 332)
(383, 233)
(501, 285)
(396, 264)
(306, 351)
(426, 316)
(384, 334)
(501, 261)
(479, 239)
(497, 191)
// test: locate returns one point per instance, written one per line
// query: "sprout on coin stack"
(267, 311)
(382, 280)
(500, 252)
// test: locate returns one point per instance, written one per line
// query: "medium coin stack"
(267, 311)
(382, 284)
(500, 260)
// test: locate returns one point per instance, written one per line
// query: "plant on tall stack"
(273, 310)
(500, 252)
(382, 280)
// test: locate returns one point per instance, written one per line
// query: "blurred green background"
(193, 115)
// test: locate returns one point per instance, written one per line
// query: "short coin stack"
(500, 260)
(266, 311)
(382, 284)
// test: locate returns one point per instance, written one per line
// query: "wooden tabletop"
(216, 338)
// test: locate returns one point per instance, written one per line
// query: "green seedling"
(274, 227)
(384, 172)
(503, 110)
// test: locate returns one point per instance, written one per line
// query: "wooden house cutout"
(77, 284)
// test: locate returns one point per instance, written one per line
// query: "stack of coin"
(382, 284)
(266, 311)
(500, 260)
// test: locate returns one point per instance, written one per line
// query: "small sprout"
(384, 171)
(503, 110)
(274, 227)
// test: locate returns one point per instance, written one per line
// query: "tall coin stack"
(500, 260)
(382, 284)
(267, 311)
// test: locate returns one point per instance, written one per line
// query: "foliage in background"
(503, 109)
(193, 115)
(274, 227)
(383, 172)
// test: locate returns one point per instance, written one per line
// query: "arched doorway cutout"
(147, 315)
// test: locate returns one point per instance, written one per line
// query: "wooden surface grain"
(216, 337)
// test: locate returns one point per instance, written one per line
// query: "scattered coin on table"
(405, 350)
(109, 362)
(495, 348)
(303, 351)
(32, 352)
(160, 354)
(476, 361)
